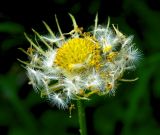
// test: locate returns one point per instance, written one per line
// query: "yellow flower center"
(78, 53)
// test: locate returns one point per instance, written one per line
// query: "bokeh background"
(135, 110)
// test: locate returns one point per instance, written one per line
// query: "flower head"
(77, 64)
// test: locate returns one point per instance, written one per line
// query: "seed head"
(78, 64)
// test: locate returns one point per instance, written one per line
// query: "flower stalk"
(81, 117)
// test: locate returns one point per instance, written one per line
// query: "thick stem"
(82, 118)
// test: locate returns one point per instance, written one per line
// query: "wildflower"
(77, 64)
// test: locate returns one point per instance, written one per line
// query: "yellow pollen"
(107, 48)
(78, 53)
(111, 56)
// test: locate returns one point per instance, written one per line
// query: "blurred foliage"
(134, 109)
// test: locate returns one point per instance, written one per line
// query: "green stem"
(81, 116)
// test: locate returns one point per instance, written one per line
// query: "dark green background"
(135, 108)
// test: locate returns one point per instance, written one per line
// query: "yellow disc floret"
(78, 53)
(107, 48)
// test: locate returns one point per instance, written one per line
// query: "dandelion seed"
(57, 100)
